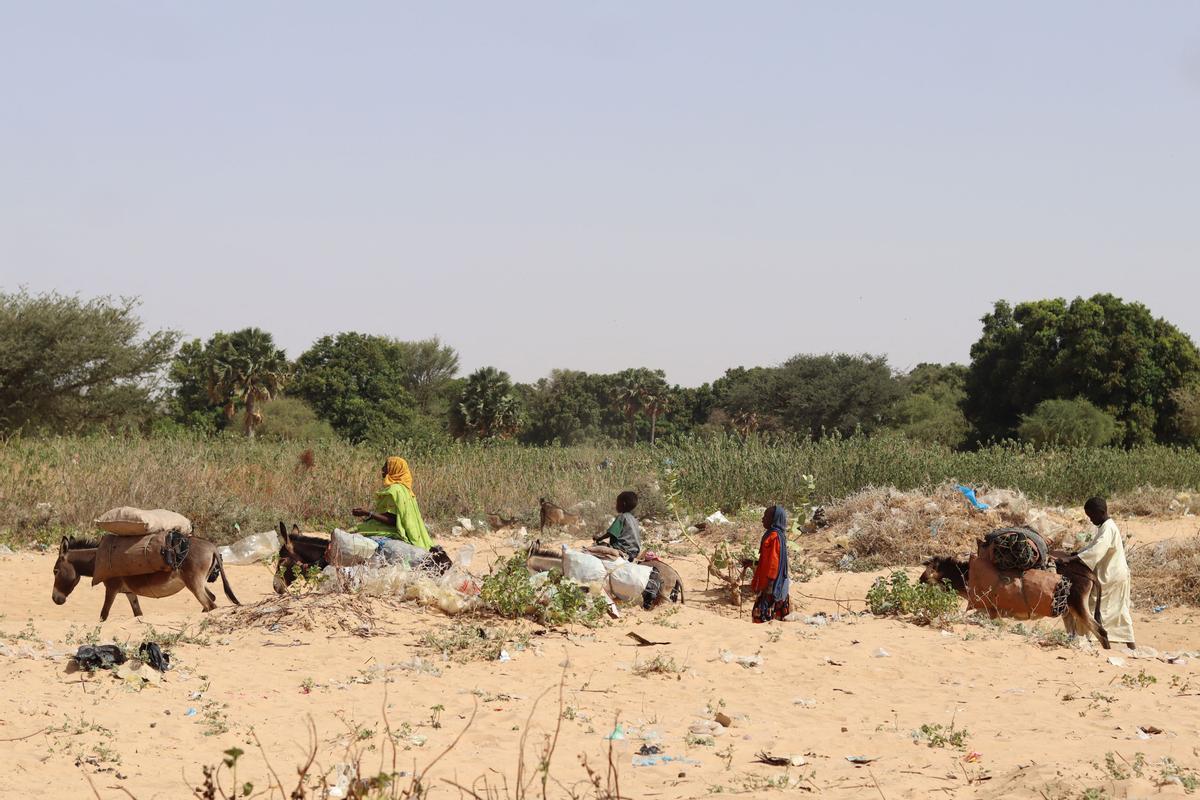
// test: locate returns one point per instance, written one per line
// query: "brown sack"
(605, 553)
(130, 521)
(122, 556)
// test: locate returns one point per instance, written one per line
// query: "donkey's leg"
(134, 604)
(195, 583)
(110, 594)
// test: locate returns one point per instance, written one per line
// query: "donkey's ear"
(283, 534)
(64, 546)
(295, 529)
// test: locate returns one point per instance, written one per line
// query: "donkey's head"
(940, 570)
(66, 577)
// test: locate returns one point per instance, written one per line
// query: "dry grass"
(1166, 573)
(887, 527)
(1152, 501)
(317, 611)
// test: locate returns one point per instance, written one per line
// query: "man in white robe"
(1106, 556)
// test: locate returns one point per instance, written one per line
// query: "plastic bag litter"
(454, 592)
(582, 567)
(717, 518)
(394, 551)
(252, 548)
(349, 549)
(628, 581)
(749, 662)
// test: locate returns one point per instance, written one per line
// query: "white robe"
(1106, 556)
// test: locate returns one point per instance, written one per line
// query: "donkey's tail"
(218, 568)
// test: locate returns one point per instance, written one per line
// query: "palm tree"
(488, 408)
(655, 401)
(246, 368)
(627, 397)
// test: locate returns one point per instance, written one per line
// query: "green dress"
(397, 499)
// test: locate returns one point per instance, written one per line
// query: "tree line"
(1092, 371)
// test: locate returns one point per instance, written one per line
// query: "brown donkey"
(77, 559)
(1032, 594)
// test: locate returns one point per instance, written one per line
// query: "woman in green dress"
(396, 514)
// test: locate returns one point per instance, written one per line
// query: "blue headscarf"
(779, 523)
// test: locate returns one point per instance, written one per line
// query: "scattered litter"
(1146, 731)
(973, 757)
(136, 674)
(780, 761)
(1116, 661)
(717, 518)
(723, 719)
(834, 663)
(707, 727)
(1160, 609)
(642, 640)
(5, 550)
(154, 656)
(881, 653)
(252, 548)
(650, 761)
(341, 785)
(969, 493)
(191, 712)
(749, 662)
(819, 619)
(104, 656)
(861, 760)
(618, 733)
(466, 524)
(805, 702)
(504, 656)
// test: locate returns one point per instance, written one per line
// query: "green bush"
(897, 596)
(1068, 422)
(509, 592)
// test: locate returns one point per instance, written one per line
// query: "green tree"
(292, 419)
(1114, 354)
(488, 407)
(356, 382)
(428, 367)
(68, 364)
(929, 409)
(1187, 413)
(189, 401)
(567, 408)
(1073, 422)
(244, 370)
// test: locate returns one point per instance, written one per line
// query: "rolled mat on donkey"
(1010, 576)
(152, 565)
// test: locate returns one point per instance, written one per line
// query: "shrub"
(509, 592)
(1067, 422)
(898, 596)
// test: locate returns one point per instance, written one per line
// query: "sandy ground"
(1039, 721)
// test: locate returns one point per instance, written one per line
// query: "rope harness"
(1061, 592)
(175, 550)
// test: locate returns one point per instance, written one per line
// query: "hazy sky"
(684, 185)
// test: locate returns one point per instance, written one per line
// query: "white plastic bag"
(394, 551)
(628, 581)
(348, 549)
(582, 567)
(247, 550)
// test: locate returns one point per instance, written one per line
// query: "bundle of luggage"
(140, 541)
(649, 580)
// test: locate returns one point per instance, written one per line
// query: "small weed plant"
(936, 735)
(898, 596)
(508, 591)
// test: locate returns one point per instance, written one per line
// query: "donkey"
(298, 551)
(1032, 594)
(77, 559)
(553, 515)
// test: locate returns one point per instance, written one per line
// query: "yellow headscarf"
(397, 471)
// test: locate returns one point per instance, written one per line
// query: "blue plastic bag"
(969, 493)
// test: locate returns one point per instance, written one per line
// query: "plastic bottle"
(252, 548)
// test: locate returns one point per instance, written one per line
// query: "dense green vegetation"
(1091, 371)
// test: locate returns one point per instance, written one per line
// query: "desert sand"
(1039, 721)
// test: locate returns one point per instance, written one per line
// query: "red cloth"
(768, 563)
